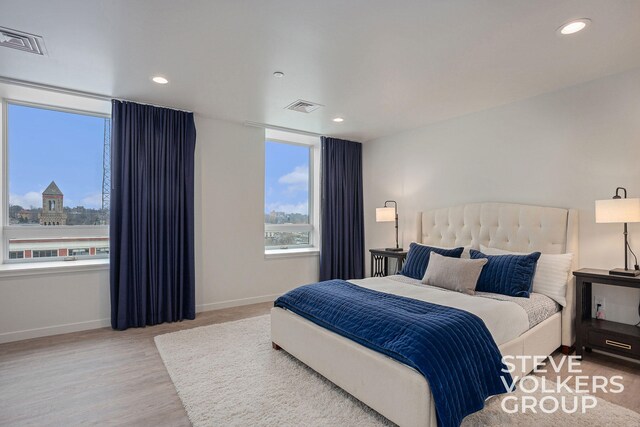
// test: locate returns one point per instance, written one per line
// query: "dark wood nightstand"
(380, 261)
(605, 335)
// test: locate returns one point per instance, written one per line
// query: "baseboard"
(235, 302)
(53, 330)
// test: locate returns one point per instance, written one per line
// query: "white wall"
(564, 149)
(54, 303)
(230, 265)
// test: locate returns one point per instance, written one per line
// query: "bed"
(394, 389)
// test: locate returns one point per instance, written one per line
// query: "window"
(78, 251)
(57, 183)
(46, 253)
(290, 191)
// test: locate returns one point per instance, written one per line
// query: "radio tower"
(106, 166)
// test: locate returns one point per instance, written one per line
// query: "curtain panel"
(342, 240)
(152, 270)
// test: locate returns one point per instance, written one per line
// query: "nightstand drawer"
(615, 343)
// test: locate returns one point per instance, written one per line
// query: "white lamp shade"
(618, 210)
(385, 214)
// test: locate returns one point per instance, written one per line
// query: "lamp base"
(623, 272)
(394, 249)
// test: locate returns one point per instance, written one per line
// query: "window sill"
(291, 253)
(54, 267)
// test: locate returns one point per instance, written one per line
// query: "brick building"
(52, 206)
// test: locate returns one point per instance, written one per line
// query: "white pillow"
(466, 253)
(455, 274)
(552, 273)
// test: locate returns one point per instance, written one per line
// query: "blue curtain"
(342, 242)
(152, 244)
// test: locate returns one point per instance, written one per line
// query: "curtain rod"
(285, 129)
(66, 91)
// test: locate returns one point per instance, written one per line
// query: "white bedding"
(505, 320)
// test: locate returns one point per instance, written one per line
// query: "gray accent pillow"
(455, 274)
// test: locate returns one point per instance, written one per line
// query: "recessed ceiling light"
(338, 120)
(278, 74)
(574, 26)
(160, 80)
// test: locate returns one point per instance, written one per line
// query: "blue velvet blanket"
(452, 348)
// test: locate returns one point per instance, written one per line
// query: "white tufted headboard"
(519, 228)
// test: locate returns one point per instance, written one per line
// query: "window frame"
(38, 231)
(313, 228)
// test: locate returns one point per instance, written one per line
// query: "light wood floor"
(117, 378)
(598, 364)
(97, 377)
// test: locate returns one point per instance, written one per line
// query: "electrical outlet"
(599, 307)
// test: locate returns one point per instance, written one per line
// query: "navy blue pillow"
(507, 274)
(418, 259)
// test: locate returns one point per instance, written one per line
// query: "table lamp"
(620, 210)
(389, 214)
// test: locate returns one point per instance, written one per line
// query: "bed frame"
(397, 391)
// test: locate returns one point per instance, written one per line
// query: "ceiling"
(385, 66)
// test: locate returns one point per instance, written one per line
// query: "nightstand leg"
(579, 316)
(371, 270)
(377, 265)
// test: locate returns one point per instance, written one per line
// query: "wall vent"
(19, 40)
(303, 106)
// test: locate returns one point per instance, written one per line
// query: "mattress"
(506, 317)
(538, 307)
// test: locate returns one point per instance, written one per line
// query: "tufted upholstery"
(518, 228)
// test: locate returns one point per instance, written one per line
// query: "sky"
(48, 145)
(286, 178)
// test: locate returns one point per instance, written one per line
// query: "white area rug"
(228, 375)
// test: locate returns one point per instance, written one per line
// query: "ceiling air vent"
(22, 41)
(303, 106)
